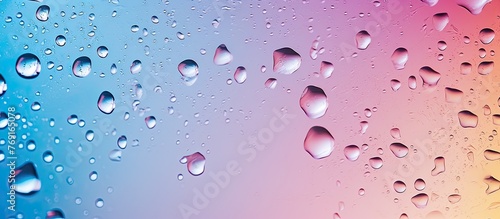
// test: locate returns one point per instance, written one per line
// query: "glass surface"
(249, 109)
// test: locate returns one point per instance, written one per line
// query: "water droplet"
(136, 67)
(28, 66)
(419, 184)
(395, 84)
(435, 215)
(89, 135)
(352, 152)
(189, 71)
(404, 216)
(240, 75)
(430, 2)
(150, 122)
(195, 163)
(222, 55)
(440, 21)
(72, 119)
(326, 69)
(35, 106)
(115, 155)
(485, 67)
(454, 198)
(4, 120)
(82, 66)
(399, 186)
(439, 166)
(313, 102)
(47, 156)
(486, 35)
(93, 176)
(491, 155)
(99, 203)
(319, 143)
(42, 13)
(376, 162)
(60, 40)
(473, 6)
(30, 145)
(429, 76)
(106, 102)
(286, 61)
(453, 95)
(442, 45)
(420, 200)
(412, 82)
(465, 68)
(3, 85)
(55, 214)
(467, 119)
(122, 142)
(271, 83)
(493, 184)
(27, 181)
(395, 133)
(363, 40)
(399, 58)
(102, 51)
(399, 150)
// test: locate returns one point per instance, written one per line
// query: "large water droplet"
(195, 163)
(55, 214)
(492, 183)
(467, 119)
(240, 75)
(222, 55)
(453, 95)
(399, 58)
(82, 66)
(106, 102)
(465, 68)
(28, 66)
(429, 76)
(313, 102)
(319, 143)
(42, 13)
(439, 166)
(3, 85)
(136, 67)
(486, 35)
(150, 122)
(399, 150)
(420, 200)
(352, 152)
(485, 67)
(440, 21)
(27, 181)
(473, 6)
(363, 40)
(286, 61)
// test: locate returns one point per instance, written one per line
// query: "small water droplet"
(420, 200)
(136, 67)
(82, 66)
(150, 122)
(363, 40)
(439, 166)
(399, 150)
(106, 102)
(399, 186)
(240, 75)
(222, 55)
(28, 66)
(440, 21)
(102, 51)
